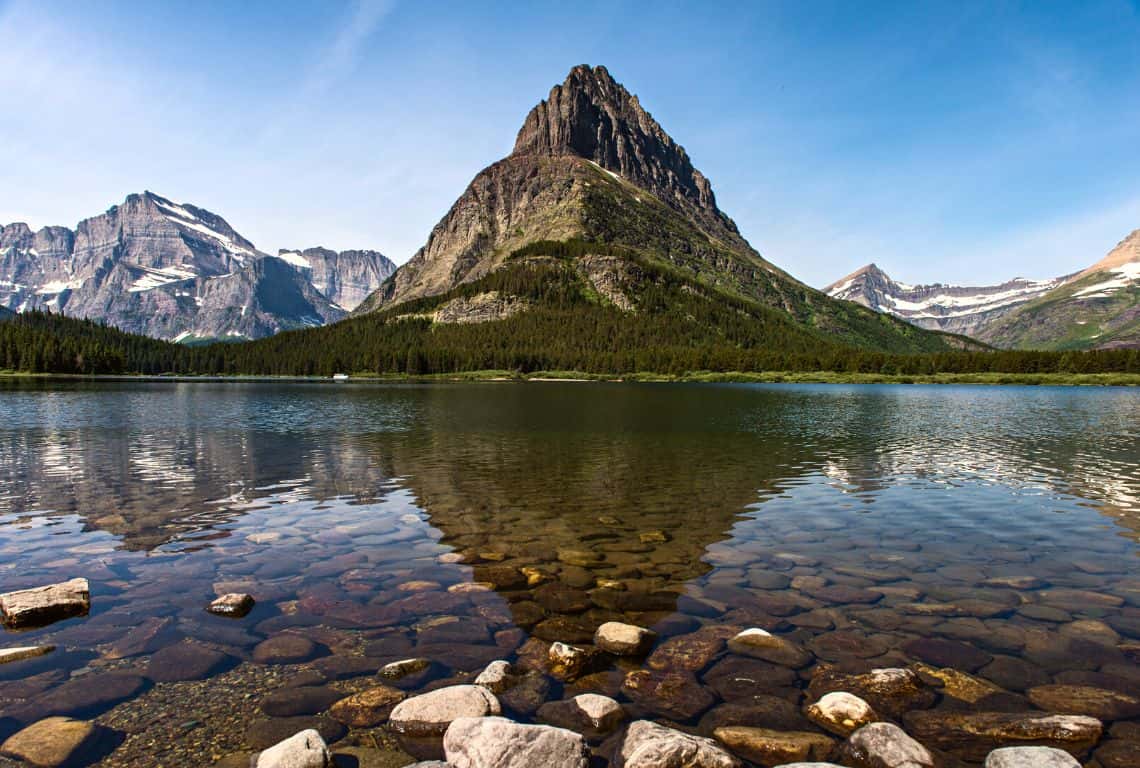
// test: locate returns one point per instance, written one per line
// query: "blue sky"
(963, 142)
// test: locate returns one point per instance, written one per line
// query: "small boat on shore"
(340, 377)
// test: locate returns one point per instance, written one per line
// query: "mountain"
(1096, 308)
(175, 271)
(938, 307)
(345, 278)
(593, 170)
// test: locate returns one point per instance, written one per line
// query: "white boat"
(340, 377)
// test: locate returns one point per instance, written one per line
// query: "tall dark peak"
(593, 116)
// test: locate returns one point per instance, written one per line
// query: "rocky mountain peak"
(592, 116)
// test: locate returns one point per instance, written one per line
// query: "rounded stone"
(767, 747)
(885, 745)
(495, 742)
(290, 702)
(430, 714)
(761, 644)
(54, 741)
(1100, 703)
(649, 745)
(265, 733)
(1030, 757)
(285, 649)
(841, 713)
(624, 639)
(186, 661)
(589, 714)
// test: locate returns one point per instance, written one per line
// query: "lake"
(991, 530)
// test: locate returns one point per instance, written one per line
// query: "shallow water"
(855, 519)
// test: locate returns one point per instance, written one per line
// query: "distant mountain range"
(179, 272)
(1095, 308)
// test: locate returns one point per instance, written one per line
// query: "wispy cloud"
(338, 59)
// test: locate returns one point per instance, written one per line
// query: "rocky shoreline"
(719, 696)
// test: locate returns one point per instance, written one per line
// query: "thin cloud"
(340, 57)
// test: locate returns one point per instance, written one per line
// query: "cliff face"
(345, 278)
(176, 271)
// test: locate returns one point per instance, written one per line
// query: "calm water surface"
(858, 520)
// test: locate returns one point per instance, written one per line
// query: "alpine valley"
(174, 271)
(1094, 308)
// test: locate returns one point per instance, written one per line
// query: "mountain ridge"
(171, 270)
(1096, 307)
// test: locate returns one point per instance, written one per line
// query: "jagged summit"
(591, 115)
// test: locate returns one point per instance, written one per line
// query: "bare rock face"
(345, 278)
(592, 116)
(176, 271)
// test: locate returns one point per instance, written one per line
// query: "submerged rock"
(767, 747)
(676, 695)
(761, 644)
(841, 713)
(1030, 757)
(891, 691)
(54, 741)
(285, 649)
(367, 708)
(304, 750)
(974, 734)
(884, 745)
(649, 745)
(1085, 700)
(429, 714)
(186, 661)
(43, 605)
(495, 742)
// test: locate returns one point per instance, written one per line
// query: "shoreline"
(706, 377)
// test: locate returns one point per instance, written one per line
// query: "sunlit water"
(692, 505)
